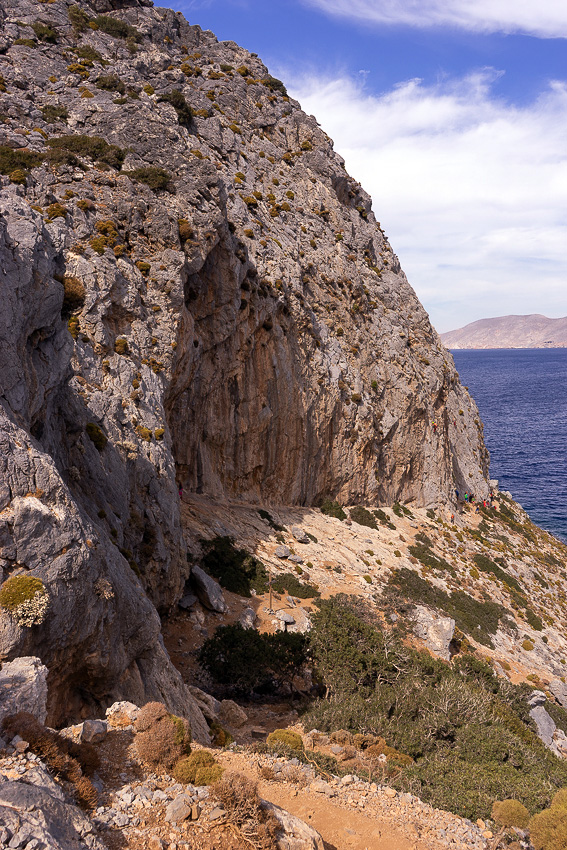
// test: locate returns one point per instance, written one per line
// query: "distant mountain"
(533, 331)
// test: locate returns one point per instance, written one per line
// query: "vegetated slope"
(194, 290)
(533, 331)
(398, 587)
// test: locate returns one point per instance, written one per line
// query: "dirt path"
(341, 828)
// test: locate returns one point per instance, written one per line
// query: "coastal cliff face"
(193, 291)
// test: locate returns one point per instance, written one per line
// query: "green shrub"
(45, 32)
(89, 53)
(248, 660)
(78, 18)
(383, 519)
(110, 82)
(330, 508)
(51, 113)
(91, 147)
(560, 798)
(429, 559)
(468, 732)
(97, 436)
(153, 176)
(19, 589)
(480, 620)
(209, 775)
(548, 829)
(25, 42)
(274, 84)
(487, 565)
(286, 737)
(510, 813)
(177, 100)
(220, 736)
(236, 569)
(186, 768)
(290, 584)
(121, 345)
(363, 517)
(117, 28)
(12, 159)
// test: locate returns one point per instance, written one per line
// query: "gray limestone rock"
(208, 590)
(231, 714)
(300, 535)
(33, 810)
(113, 370)
(248, 618)
(436, 631)
(282, 552)
(94, 731)
(206, 702)
(179, 809)
(285, 617)
(296, 834)
(559, 691)
(23, 687)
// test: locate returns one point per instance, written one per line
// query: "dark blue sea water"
(522, 398)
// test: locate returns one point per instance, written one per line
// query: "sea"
(522, 398)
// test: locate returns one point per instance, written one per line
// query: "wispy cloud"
(471, 191)
(546, 18)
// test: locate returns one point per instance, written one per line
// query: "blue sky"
(453, 115)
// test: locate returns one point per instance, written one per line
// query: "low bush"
(91, 147)
(468, 732)
(487, 565)
(96, 435)
(110, 82)
(270, 520)
(362, 516)
(235, 569)
(290, 584)
(478, 619)
(52, 113)
(177, 100)
(117, 28)
(186, 769)
(548, 829)
(239, 797)
(153, 176)
(383, 519)
(73, 295)
(247, 660)
(510, 813)
(284, 737)
(26, 598)
(330, 508)
(162, 739)
(45, 32)
(14, 159)
(274, 84)
(66, 759)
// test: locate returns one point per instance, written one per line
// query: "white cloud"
(546, 18)
(471, 191)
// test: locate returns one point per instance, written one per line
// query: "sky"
(453, 116)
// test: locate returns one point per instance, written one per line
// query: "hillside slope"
(533, 331)
(194, 292)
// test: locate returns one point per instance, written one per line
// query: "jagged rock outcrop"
(23, 687)
(194, 292)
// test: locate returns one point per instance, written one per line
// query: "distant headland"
(533, 331)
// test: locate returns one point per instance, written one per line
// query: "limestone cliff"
(193, 291)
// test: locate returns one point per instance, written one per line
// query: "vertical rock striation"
(193, 291)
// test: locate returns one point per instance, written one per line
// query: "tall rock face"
(195, 292)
